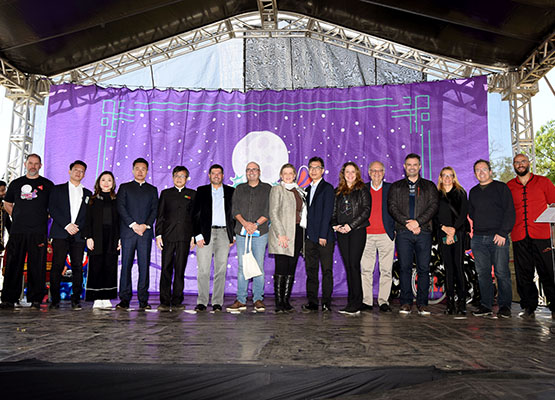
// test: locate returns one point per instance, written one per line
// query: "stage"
(127, 354)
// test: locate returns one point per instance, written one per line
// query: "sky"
(220, 66)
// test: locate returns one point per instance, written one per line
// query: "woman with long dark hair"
(285, 240)
(102, 234)
(451, 222)
(351, 212)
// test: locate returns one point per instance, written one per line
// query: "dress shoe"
(200, 307)
(145, 306)
(366, 307)
(309, 307)
(163, 308)
(178, 307)
(122, 305)
(385, 308)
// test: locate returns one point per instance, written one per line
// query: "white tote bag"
(250, 266)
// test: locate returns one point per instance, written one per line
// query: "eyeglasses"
(485, 169)
(447, 176)
(252, 169)
(376, 171)
(180, 176)
(314, 168)
(523, 162)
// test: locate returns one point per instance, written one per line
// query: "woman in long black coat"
(451, 222)
(102, 234)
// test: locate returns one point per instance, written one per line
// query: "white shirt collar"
(378, 188)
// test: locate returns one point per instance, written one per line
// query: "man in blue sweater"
(492, 211)
(137, 206)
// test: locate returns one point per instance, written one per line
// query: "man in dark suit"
(380, 237)
(174, 232)
(320, 240)
(137, 206)
(214, 225)
(67, 207)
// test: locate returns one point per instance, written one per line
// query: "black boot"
(450, 310)
(279, 283)
(461, 307)
(288, 287)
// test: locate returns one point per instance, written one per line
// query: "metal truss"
(21, 135)
(268, 23)
(19, 84)
(539, 63)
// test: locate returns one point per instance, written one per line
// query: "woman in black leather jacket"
(351, 212)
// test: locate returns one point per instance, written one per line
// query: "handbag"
(466, 227)
(250, 266)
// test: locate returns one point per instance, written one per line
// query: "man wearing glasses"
(174, 232)
(319, 242)
(493, 213)
(379, 240)
(532, 194)
(250, 208)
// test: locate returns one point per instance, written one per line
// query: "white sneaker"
(107, 304)
(98, 304)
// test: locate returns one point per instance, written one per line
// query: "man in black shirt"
(27, 202)
(492, 210)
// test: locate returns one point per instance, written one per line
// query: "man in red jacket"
(532, 194)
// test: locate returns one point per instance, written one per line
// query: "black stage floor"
(120, 354)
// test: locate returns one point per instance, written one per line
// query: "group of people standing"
(368, 220)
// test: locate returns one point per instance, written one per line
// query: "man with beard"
(532, 194)
(27, 202)
(413, 202)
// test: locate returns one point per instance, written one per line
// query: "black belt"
(218, 227)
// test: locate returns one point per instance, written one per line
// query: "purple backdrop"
(445, 122)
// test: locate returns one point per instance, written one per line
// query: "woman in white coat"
(286, 236)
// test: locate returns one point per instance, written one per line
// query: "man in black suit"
(214, 225)
(137, 206)
(174, 233)
(320, 240)
(67, 207)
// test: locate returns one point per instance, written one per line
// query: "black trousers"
(454, 269)
(287, 265)
(533, 254)
(102, 274)
(316, 255)
(174, 257)
(32, 245)
(351, 247)
(60, 249)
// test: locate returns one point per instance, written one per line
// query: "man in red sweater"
(532, 194)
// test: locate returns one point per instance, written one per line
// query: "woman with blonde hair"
(451, 222)
(351, 213)
(287, 223)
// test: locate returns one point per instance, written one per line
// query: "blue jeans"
(408, 245)
(259, 250)
(486, 253)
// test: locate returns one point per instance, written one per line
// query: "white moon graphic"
(263, 147)
(26, 189)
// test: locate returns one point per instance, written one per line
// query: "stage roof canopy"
(47, 38)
